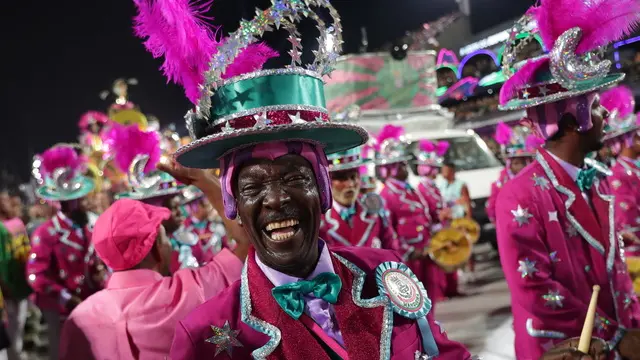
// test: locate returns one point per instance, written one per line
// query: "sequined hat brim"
(393, 160)
(349, 165)
(137, 195)
(581, 88)
(205, 153)
(617, 133)
(51, 194)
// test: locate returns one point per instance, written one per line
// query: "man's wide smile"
(281, 230)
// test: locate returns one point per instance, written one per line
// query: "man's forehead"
(282, 163)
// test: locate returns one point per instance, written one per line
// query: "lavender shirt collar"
(571, 169)
(278, 279)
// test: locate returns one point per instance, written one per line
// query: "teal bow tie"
(347, 213)
(408, 186)
(585, 178)
(290, 297)
(637, 163)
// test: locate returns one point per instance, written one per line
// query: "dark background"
(57, 56)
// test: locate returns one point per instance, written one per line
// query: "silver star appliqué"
(541, 182)
(553, 299)
(526, 94)
(554, 257)
(543, 90)
(553, 216)
(571, 231)
(227, 128)
(526, 267)
(224, 338)
(616, 184)
(261, 120)
(521, 216)
(295, 119)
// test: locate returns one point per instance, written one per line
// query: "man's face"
(593, 139)
(517, 164)
(448, 172)
(6, 209)
(173, 223)
(203, 209)
(279, 204)
(345, 186)
(401, 172)
(635, 146)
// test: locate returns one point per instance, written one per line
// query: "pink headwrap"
(231, 162)
(546, 117)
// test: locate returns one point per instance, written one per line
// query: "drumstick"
(587, 328)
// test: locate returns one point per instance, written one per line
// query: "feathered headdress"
(92, 117)
(60, 157)
(430, 153)
(517, 141)
(62, 168)
(442, 148)
(573, 30)
(237, 101)
(621, 103)
(391, 145)
(127, 142)
(503, 134)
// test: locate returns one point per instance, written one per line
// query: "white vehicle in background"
(475, 163)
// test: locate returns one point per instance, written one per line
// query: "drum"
(450, 249)
(633, 265)
(468, 226)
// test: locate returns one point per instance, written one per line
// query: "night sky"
(57, 56)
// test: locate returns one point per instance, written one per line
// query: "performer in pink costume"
(518, 148)
(409, 211)
(622, 137)
(297, 298)
(555, 222)
(63, 269)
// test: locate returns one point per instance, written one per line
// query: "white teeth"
(281, 224)
(282, 236)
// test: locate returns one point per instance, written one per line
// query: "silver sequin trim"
(570, 199)
(269, 72)
(257, 324)
(543, 333)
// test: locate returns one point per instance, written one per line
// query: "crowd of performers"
(309, 239)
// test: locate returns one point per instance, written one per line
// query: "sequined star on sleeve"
(526, 267)
(540, 181)
(521, 216)
(224, 338)
(553, 299)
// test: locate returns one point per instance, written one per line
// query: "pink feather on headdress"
(427, 146)
(503, 134)
(618, 98)
(601, 21)
(92, 116)
(522, 77)
(60, 157)
(533, 142)
(126, 142)
(389, 132)
(442, 147)
(177, 30)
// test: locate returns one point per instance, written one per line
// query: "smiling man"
(297, 298)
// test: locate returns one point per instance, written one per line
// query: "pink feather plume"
(533, 142)
(60, 157)
(601, 21)
(442, 147)
(620, 98)
(178, 30)
(522, 77)
(92, 116)
(126, 142)
(389, 132)
(427, 146)
(503, 134)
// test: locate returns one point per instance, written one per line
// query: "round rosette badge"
(408, 298)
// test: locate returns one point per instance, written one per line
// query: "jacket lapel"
(362, 224)
(338, 227)
(579, 213)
